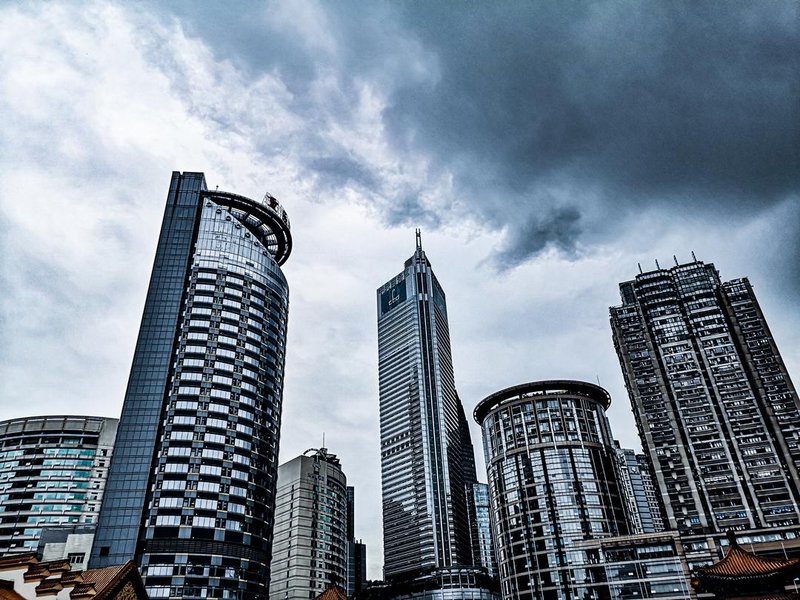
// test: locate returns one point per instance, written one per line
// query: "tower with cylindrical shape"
(191, 495)
(552, 482)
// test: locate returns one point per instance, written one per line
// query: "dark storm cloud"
(559, 228)
(407, 209)
(647, 105)
(646, 99)
(340, 170)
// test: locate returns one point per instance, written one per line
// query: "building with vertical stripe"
(191, 491)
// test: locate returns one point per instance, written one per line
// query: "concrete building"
(634, 567)
(717, 413)
(73, 544)
(53, 473)
(310, 544)
(191, 491)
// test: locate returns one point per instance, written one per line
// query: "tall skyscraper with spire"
(191, 491)
(427, 461)
(717, 413)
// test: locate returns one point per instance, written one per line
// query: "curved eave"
(269, 223)
(555, 387)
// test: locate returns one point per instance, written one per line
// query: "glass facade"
(191, 497)
(717, 413)
(643, 510)
(356, 550)
(52, 475)
(634, 568)
(426, 453)
(310, 544)
(552, 483)
(480, 528)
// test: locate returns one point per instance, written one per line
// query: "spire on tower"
(419, 239)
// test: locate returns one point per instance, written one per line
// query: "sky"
(545, 149)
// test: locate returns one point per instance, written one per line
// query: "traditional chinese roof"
(43, 579)
(7, 591)
(15, 561)
(741, 574)
(332, 593)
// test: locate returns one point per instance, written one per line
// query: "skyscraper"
(480, 527)
(717, 413)
(356, 549)
(426, 452)
(310, 546)
(642, 508)
(191, 489)
(53, 473)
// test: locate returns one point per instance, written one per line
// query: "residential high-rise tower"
(310, 547)
(427, 460)
(191, 489)
(717, 413)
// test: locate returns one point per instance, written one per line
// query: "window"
(76, 558)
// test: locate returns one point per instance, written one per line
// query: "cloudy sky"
(544, 149)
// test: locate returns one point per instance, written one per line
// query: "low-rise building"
(25, 577)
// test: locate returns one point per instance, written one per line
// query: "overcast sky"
(544, 149)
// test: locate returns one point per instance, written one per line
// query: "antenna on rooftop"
(640, 267)
(675, 258)
(694, 258)
(657, 265)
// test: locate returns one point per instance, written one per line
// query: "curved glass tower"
(191, 494)
(552, 483)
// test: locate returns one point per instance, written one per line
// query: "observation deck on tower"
(265, 219)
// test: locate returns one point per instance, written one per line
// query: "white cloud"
(101, 102)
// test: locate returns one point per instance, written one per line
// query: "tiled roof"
(54, 576)
(741, 563)
(742, 573)
(332, 593)
(7, 591)
(103, 580)
(14, 561)
(43, 570)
